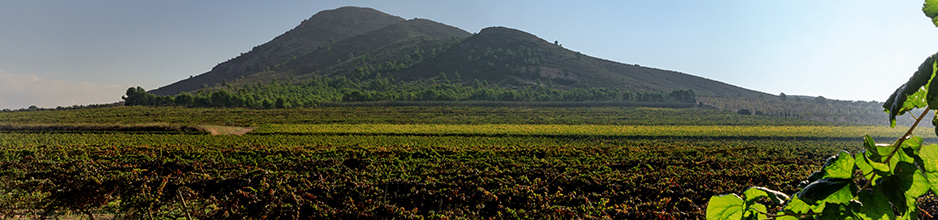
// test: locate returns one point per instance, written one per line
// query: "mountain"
(512, 57)
(376, 46)
(320, 29)
(363, 43)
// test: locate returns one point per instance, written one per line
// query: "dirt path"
(227, 130)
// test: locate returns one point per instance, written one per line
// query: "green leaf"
(816, 175)
(798, 206)
(918, 184)
(881, 168)
(828, 190)
(869, 143)
(892, 192)
(835, 211)
(929, 155)
(904, 187)
(755, 193)
(835, 167)
(873, 205)
(873, 157)
(881, 152)
(728, 206)
(930, 8)
(910, 150)
(787, 217)
(913, 143)
(914, 93)
(866, 165)
(755, 212)
(841, 167)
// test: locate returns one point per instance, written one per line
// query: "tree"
(138, 96)
(783, 96)
(183, 99)
(820, 100)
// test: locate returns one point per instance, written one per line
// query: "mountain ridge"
(320, 29)
(365, 42)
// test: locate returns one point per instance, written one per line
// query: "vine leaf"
(872, 158)
(904, 187)
(931, 10)
(869, 143)
(867, 165)
(881, 168)
(797, 206)
(929, 155)
(875, 205)
(757, 192)
(841, 166)
(828, 190)
(914, 93)
(755, 212)
(728, 206)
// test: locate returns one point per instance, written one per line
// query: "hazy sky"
(62, 53)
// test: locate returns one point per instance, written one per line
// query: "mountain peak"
(363, 43)
(348, 20)
(322, 28)
(504, 32)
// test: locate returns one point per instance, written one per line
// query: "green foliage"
(838, 192)
(931, 10)
(429, 114)
(728, 206)
(914, 93)
(879, 182)
(138, 96)
(380, 89)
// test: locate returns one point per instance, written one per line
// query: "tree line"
(342, 89)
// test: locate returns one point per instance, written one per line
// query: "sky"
(64, 53)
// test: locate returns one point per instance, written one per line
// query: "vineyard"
(406, 162)
(394, 115)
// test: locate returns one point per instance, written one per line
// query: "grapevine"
(879, 182)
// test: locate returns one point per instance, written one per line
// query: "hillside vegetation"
(356, 55)
(320, 29)
(419, 52)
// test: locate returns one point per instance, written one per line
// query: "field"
(404, 162)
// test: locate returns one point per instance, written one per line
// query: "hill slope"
(320, 29)
(362, 43)
(512, 57)
(375, 47)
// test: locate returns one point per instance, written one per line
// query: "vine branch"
(897, 146)
(907, 133)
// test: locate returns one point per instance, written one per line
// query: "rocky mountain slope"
(363, 43)
(320, 29)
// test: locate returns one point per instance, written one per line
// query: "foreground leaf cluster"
(865, 185)
(882, 181)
